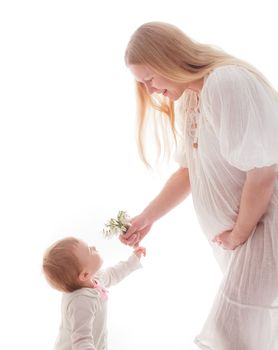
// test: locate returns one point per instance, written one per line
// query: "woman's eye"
(149, 80)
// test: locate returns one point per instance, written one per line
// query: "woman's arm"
(173, 193)
(255, 198)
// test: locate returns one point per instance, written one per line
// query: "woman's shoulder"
(229, 73)
(230, 78)
(238, 83)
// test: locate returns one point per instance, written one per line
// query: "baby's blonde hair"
(61, 266)
(170, 53)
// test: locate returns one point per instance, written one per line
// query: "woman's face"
(155, 83)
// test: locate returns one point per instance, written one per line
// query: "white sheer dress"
(230, 128)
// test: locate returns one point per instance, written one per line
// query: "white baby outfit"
(83, 325)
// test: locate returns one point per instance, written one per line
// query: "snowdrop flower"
(117, 226)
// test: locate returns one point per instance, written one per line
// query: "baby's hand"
(139, 251)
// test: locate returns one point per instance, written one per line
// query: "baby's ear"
(84, 276)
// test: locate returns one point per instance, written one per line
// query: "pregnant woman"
(222, 115)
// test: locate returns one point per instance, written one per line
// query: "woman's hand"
(256, 194)
(173, 193)
(139, 227)
(229, 240)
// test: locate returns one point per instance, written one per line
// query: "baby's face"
(88, 257)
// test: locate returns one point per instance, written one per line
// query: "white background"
(69, 162)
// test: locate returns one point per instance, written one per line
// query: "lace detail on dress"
(192, 113)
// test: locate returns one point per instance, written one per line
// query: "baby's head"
(70, 264)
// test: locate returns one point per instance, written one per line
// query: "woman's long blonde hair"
(167, 51)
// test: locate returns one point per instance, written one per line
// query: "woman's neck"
(196, 85)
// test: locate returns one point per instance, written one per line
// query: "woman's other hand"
(229, 240)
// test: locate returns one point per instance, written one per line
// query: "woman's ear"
(84, 276)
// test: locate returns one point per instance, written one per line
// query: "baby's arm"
(115, 274)
(81, 313)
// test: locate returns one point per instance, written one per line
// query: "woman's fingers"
(131, 230)
(133, 240)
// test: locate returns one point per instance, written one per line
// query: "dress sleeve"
(243, 111)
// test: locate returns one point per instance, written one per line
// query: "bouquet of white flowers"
(117, 226)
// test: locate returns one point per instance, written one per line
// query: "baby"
(73, 267)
